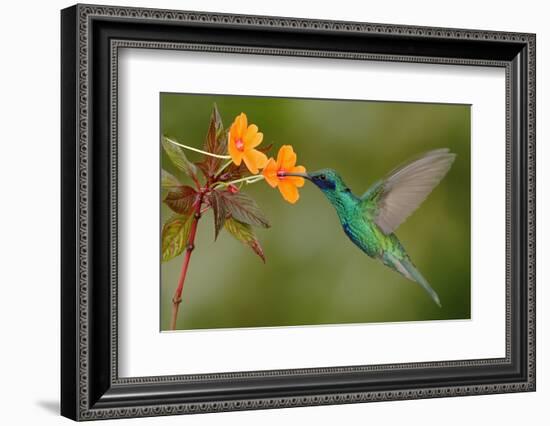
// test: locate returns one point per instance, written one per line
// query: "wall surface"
(29, 229)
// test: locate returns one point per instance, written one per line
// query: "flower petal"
(242, 124)
(254, 140)
(234, 129)
(289, 191)
(286, 158)
(270, 173)
(254, 160)
(235, 154)
(250, 132)
(296, 180)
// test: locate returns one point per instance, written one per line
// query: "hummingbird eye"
(322, 177)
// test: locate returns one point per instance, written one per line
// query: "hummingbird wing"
(391, 200)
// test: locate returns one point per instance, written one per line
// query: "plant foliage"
(232, 209)
(175, 234)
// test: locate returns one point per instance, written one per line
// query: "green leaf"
(168, 181)
(216, 201)
(175, 234)
(181, 199)
(178, 157)
(244, 233)
(244, 209)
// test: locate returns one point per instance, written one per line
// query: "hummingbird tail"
(407, 269)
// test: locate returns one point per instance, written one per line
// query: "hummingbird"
(370, 220)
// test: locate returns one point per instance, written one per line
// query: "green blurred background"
(313, 273)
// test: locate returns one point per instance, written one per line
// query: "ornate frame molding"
(90, 401)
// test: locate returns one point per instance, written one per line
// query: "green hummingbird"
(369, 221)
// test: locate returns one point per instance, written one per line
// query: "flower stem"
(223, 167)
(247, 180)
(190, 148)
(176, 300)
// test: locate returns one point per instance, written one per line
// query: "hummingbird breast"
(363, 236)
(359, 229)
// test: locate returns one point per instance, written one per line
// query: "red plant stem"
(176, 300)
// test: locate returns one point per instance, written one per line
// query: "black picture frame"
(90, 386)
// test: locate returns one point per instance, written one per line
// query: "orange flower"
(286, 162)
(242, 141)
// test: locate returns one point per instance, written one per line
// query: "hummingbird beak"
(302, 175)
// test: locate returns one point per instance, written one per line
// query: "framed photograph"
(263, 212)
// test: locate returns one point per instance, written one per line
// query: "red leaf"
(212, 143)
(243, 208)
(233, 172)
(216, 143)
(255, 245)
(205, 167)
(266, 148)
(181, 199)
(218, 207)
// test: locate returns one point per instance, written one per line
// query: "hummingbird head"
(333, 187)
(327, 180)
